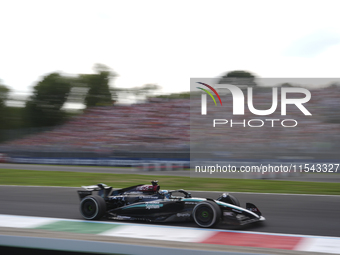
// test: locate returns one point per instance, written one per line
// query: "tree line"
(44, 107)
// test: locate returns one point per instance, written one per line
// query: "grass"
(76, 179)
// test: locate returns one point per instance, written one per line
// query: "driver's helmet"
(165, 193)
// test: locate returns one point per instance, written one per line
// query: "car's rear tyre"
(93, 207)
(206, 214)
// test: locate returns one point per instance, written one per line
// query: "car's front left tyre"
(93, 207)
(206, 214)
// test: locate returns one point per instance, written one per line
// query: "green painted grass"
(75, 179)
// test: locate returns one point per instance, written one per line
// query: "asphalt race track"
(289, 214)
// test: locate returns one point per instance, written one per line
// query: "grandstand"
(164, 125)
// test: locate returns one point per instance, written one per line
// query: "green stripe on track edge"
(78, 227)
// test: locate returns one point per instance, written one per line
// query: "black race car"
(149, 203)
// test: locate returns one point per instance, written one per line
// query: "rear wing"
(103, 190)
(99, 186)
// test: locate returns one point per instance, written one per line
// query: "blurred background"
(152, 125)
(99, 122)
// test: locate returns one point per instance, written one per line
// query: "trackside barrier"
(271, 174)
(168, 166)
(142, 164)
(159, 164)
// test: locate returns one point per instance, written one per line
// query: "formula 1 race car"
(149, 203)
